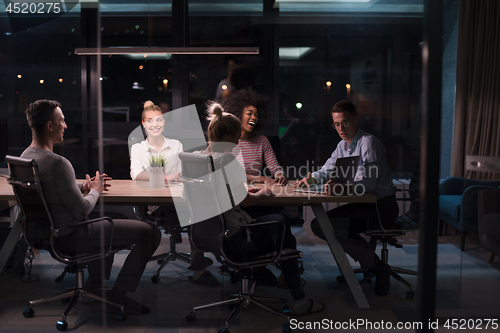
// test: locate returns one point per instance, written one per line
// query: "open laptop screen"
(345, 169)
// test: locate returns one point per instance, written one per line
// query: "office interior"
(375, 53)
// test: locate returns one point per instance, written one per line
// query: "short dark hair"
(39, 113)
(345, 106)
(237, 101)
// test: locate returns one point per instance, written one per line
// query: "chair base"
(74, 295)
(165, 258)
(384, 258)
(394, 273)
(243, 299)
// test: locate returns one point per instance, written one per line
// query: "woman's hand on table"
(280, 179)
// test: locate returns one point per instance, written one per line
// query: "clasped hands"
(98, 182)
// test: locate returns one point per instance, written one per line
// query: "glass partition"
(311, 55)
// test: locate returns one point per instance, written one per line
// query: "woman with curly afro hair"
(252, 148)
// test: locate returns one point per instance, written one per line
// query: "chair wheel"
(340, 279)
(231, 306)
(160, 261)
(120, 317)
(190, 317)
(223, 330)
(65, 300)
(62, 325)
(410, 294)
(155, 279)
(28, 313)
(286, 328)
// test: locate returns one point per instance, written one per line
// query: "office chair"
(170, 225)
(40, 232)
(201, 179)
(404, 224)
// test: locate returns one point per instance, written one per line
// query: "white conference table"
(129, 192)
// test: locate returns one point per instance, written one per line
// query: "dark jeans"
(84, 239)
(350, 220)
(262, 240)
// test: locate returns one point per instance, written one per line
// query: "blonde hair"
(221, 123)
(149, 106)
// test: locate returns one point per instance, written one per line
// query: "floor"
(467, 289)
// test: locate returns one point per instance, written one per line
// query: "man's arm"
(371, 153)
(70, 193)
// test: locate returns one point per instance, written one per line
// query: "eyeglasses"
(344, 124)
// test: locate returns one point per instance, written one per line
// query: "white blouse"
(140, 153)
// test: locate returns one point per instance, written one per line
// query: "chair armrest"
(87, 257)
(244, 234)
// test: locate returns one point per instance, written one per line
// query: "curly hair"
(237, 101)
(39, 113)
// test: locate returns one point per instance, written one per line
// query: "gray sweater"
(61, 191)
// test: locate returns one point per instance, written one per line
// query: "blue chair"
(458, 204)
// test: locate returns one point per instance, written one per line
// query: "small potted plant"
(156, 171)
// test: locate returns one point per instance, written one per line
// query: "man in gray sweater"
(68, 205)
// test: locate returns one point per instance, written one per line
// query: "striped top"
(253, 153)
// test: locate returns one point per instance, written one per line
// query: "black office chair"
(201, 178)
(169, 224)
(387, 236)
(40, 232)
(171, 227)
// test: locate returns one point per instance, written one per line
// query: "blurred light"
(141, 32)
(348, 86)
(328, 83)
(74, 82)
(60, 80)
(141, 67)
(100, 79)
(294, 53)
(73, 30)
(42, 81)
(165, 81)
(145, 56)
(137, 26)
(8, 33)
(224, 87)
(298, 106)
(19, 76)
(136, 86)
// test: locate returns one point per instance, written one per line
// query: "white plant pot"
(156, 177)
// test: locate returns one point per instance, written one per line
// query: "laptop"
(344, 172)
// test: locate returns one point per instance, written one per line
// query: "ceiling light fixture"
(165, 50)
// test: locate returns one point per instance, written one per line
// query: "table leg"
(340, 256)
(10, 243)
